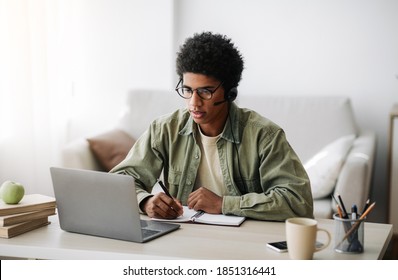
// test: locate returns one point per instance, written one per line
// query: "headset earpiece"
(228, 96)
(231, 94)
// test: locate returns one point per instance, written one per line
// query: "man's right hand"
(162, 207)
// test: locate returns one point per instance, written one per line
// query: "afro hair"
(211, 55)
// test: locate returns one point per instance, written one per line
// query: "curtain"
(32, 117)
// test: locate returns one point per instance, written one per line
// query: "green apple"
(12, 192)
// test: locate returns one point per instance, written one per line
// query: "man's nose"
(195, 99)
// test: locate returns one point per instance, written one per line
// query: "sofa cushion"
(323, 209)
(324, 167)
(143, 106)
(111, 147)
(310, 122)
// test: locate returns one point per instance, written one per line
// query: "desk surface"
(191, 241)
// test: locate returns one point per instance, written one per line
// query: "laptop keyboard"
(154, 228)
(148, 232)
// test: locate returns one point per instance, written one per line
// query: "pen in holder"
(349, 235)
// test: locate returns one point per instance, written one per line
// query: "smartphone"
(281, 246)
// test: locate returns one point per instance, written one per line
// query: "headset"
(229, 96)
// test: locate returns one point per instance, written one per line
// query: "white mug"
(301, 236)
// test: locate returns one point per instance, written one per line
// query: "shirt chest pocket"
(179, 186)
(174, 179)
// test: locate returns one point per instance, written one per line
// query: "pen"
(345, 216)
(197, 215)
(356, 225)
(366, 205)
(166, 191)
(338, 207)
(354, 212)
(342, 216)
(339, 211)
(370, 208)
(335, 200)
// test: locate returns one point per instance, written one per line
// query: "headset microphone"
(219, 102)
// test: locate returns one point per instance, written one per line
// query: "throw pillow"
(110, 148)
(324, 168)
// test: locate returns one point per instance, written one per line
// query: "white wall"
(328, 47)
(108, 48)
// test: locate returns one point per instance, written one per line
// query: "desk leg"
(394, 243)
(392, 250)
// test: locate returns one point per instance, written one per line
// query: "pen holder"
(349, 235)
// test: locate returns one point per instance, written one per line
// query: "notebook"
(102, 204)
(192, 216)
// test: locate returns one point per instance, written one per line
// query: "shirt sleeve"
(284, 189)
(144, 163)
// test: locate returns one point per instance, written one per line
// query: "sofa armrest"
(78, 155)
(355, 177)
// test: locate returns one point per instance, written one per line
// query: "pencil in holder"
(349, 235)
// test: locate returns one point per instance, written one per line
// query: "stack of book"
(30, 213)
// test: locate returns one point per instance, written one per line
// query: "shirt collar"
(231, 130)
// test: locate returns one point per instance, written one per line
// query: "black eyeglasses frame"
(199, 91)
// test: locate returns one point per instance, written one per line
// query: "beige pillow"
(111, 148)
(324, 168)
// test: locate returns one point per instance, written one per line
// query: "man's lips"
(197, 114)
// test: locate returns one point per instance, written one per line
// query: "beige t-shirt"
(209, 173)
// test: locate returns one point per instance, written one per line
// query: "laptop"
(102, 204)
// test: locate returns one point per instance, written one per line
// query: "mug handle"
(328, 241)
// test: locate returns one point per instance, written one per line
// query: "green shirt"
(263, 175)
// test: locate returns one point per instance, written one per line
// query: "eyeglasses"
(204, 93)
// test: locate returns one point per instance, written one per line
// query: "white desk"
(191, 241)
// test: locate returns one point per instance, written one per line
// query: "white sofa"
(312, 124)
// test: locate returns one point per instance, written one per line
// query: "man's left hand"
(205, 200)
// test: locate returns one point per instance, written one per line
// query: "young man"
(215, 156)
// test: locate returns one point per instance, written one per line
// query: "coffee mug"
(301, 236)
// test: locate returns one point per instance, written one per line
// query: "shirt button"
(189, 182)
(196, 156)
